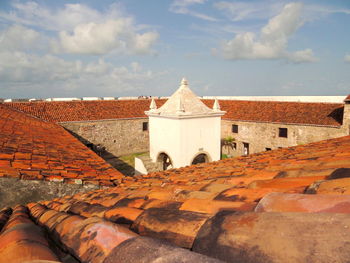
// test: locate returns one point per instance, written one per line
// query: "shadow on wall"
(83, 140)
(123, 167)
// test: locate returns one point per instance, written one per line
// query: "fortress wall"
(266, 135)
(120, 137)
(125, 136)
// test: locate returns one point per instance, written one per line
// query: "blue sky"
(137, 47)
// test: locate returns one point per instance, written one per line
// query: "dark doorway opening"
(200, 158)
(164, 161)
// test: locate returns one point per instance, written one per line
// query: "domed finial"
(153, 105)
(216, 106)
(184, 82)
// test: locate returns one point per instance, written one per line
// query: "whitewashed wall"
(183, 139)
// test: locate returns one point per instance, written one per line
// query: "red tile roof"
(84, 110)
(34, 149)
(209, 208)
(329, 114)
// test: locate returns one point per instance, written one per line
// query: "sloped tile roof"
(34, 149)
(62, 111)
(328, 114)
(275, 206)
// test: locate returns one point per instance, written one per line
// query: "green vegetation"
(130, 159)
(228, 141)
(224, 156)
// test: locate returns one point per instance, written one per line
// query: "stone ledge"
(14, 191)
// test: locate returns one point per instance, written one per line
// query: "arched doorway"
(201, 158)
(164, 161)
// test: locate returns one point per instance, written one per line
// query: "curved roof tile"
(328, 114)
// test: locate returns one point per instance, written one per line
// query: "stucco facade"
(184, 128)
(119, 137)
(183, 139)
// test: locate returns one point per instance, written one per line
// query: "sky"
(104, 48)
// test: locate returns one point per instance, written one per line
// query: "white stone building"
(184, 130)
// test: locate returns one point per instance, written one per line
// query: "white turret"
(216, 106)
(153, 105)
(183, 129)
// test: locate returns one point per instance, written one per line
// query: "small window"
(145, 126)
(267, 149)
(283, 132)
(234, 128)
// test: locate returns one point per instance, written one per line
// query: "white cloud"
(93, 38)
(66, 18)
(54, 75)
(83, 30)
(317, 11)
(273, 39)
(17, 37)
(182, 7)
(347, 58)
(22, 67)
(237, 11)
(245, 10)
(300, 56)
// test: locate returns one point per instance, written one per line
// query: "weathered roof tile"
(275, 237)
(46, 151)
(283, 202)
(329, 114)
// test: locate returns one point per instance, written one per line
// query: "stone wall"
(14, 191)
(120, 137)
(266, 135)
(126, 136)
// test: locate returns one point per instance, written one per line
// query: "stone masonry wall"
(14, 191)
(266, 135)
(126, 136)
(120, 137)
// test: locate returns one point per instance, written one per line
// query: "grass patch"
(224, 156)
(130, 158)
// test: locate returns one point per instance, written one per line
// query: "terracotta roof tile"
(281, 202)
(22, 241)
(336, 186)
(34, 149)
(329, 114)
(97, 240)
(179, 207)
(284, 112)
(177, 226)
(143, 249)
(275, 237)
(85, 110)
(208, 208)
